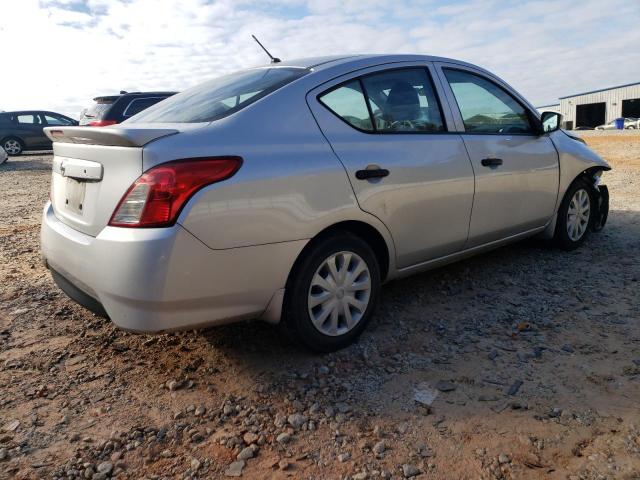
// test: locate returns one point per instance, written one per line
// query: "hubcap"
(578, 215)
(12, 147)
(339, 293)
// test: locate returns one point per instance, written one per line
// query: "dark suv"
(113, 109)
(20, 131)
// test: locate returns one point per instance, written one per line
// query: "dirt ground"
(532, 354)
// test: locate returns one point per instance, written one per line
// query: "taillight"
(102, 123)
(157, 197)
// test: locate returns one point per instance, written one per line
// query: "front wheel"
(575, 216)
(332, 292)
(12, 146)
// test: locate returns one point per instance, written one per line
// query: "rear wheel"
(12, 145)
(575, 216)
(332, 292)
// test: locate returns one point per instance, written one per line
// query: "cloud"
(65, 52)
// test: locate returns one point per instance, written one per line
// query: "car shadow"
(486, 295)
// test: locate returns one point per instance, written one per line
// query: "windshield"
(219, 97)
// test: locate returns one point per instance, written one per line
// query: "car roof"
(26, 112)
(115, 97)
(321, 63)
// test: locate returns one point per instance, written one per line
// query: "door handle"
(491, 162)
(371, 173)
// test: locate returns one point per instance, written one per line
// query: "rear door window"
(56, 120)
(28, 119)
(403, 101)
(219, 97)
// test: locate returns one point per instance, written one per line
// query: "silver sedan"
(291, 192)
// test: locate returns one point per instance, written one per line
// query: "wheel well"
(8, 137)
(360, 229)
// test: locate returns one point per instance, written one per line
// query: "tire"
(316, 311)
(572, 228)
(13, 145)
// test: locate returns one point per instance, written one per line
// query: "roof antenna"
(273, 59)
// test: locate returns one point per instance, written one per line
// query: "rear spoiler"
(113, 136)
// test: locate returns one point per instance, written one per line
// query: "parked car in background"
(629, 123)
(632, 123)
(607, 126)
(112, 109)
(23, 130)
(3, 156)
(292, 192)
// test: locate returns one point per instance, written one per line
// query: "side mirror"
(550, 121)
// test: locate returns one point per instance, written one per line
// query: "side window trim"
(374, 131)
(453, 103)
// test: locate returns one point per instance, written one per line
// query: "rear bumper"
(153, 280)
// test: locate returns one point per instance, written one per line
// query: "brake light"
(157, 197)
(102, 123)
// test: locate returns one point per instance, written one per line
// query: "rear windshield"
(219, 97)
(95, 111)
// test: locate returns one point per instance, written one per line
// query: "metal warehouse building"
(590, 109)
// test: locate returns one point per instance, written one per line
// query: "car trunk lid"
(93, 168)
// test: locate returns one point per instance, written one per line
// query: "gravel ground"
(521, 363)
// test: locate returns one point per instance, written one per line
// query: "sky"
(59, 54)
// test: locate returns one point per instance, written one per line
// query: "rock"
(200, 411)
(235, 469)
(178, 415)
(283, 464)
(174, 385)
(503, 458)
(515, 386)
(410, 471)
(3, 454)
(296, 420)
(247, 453)
(360, 476)
(280, 420)
(323, 370)
(105, 468)
(445, 386)
(556, 412)
(343, 457)
(566, 348)
(11, 426)
(250, 438)
(195, 464)
(379, 447)
(284, 437)
(424, 394)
